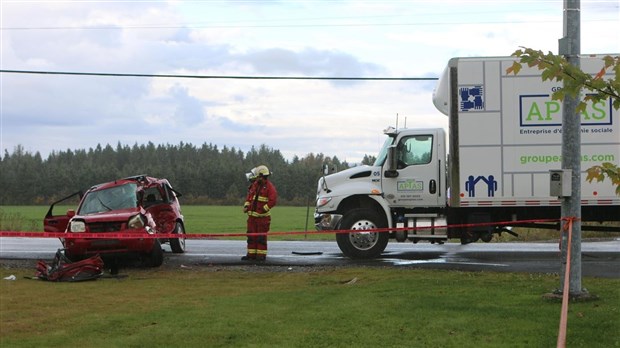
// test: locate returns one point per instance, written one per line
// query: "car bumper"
(88, 247)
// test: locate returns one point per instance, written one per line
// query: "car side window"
(152, 196)
(169, 193)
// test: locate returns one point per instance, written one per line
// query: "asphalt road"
(599, 259)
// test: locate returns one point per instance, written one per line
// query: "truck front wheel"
(362, 245)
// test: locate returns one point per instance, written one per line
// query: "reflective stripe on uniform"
(255, 214)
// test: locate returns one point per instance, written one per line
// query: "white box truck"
(496, 167)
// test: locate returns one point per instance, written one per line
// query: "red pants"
(257, 245)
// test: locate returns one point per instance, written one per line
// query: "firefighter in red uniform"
(262, 197)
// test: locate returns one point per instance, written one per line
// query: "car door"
(58, 223)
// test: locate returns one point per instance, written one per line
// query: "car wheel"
(362, 245)
(156, 256)
(178, 244)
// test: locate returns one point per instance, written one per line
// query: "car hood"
(115, 215)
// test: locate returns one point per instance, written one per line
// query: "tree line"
(204, 174)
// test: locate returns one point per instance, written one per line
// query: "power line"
(321, 25)
(255, 26)
(238, 77)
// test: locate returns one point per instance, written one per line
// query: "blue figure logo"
(471, 98)
(470, 185)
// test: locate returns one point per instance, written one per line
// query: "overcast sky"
(383, 38)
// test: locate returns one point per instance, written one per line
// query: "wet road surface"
(599, 259)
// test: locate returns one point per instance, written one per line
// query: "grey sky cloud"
(233, 126)
(189, 110)
(310, 61)
(46, 113)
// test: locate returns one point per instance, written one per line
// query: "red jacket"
(262, 196)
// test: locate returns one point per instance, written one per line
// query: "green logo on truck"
(410, 185)
(540, 110)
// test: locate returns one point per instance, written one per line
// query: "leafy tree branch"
(610, 170)
(557, 68)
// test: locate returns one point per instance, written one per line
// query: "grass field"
(230, 219)
(339, 307)
(198, 219)
(267, 306)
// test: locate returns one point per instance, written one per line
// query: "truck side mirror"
(329, 168)
(391, 171)
(70, 213)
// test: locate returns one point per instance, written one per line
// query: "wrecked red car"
(138, 204)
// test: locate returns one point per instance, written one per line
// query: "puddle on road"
(400, 262)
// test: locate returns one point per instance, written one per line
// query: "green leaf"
(581, 108)
(594, 173)
(558, 95)
(514, 68)
(517, 53)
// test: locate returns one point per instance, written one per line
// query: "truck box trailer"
(498, 165)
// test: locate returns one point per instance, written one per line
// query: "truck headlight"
(77, 226)
(323, 201)
(136, 222)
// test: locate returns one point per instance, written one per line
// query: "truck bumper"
(326, 222)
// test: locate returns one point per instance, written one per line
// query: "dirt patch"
(13, 263)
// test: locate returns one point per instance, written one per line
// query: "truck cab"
(405, 187)
(412, 168)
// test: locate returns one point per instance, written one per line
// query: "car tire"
(178, 244)
(156, 256)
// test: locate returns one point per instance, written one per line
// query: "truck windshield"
(113, 198)
(383, 152)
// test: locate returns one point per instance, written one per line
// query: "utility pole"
(570, 48)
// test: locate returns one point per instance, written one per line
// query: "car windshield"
(113, 198)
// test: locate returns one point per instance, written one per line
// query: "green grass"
(218, 307)
(211, 307)
(231, 220)
(198, 219)
(23, 218)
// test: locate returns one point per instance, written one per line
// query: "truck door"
(418, 182)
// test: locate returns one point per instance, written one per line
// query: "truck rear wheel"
(362, 245)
